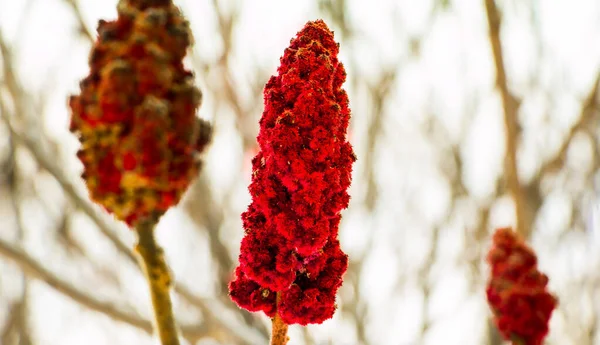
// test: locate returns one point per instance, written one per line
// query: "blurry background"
(466, 115)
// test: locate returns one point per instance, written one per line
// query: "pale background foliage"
(430, 184)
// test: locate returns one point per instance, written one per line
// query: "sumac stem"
(279, 329)
(159, 281)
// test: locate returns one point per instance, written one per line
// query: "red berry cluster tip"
(136, 113)
(299, 187)
(516, 291)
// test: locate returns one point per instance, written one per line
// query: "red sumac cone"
(516, 290)
(300, 178)
(136, 113)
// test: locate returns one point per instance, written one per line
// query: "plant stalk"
(159, 280)
(279, 329)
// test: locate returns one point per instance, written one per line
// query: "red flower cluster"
(135, 116)
(516, 291)
(299, 187)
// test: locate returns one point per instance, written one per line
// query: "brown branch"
(83, 28)
(279, 328)
(89, 209)
(588, 110)
(8, 331)
(211, 217)
(379, 93)
(22, 325)
(357, 307)
(44, 159)
(35, 270)
(510, 106)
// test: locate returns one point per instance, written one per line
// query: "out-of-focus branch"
(357, 308)
(21, 322)
(35, 270)
(524, 217)
(338, 11)
(89, 210)
(588, 114)
(379, 93)
(224, 90)
(80, 201)
(211, 218)
(510, 106)
(44, 159)
(83, 28)
(9, 330)
(208, 216)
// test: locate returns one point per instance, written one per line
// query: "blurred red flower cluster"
(136, 114)
(516, 291)
(290, 261)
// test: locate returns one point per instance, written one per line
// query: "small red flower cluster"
(136, 114)
(299, 187)
(516, 291)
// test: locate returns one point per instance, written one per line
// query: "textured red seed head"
(136, 113)
(516, 291)
(300, 178)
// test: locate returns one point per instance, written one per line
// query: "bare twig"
(379, 93)
(8, 331)
(83, 28)
(510, 105)
(587, 115)
(44, 159)
(35, 270)
(210, 217)
(22, 306)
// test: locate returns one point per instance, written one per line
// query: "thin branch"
(210, 217)
(46, 162)
(35, 270)
(21, 313)
(510, 105)
(378, 92)
(588, 110)
(83, 28)
(9, 329)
